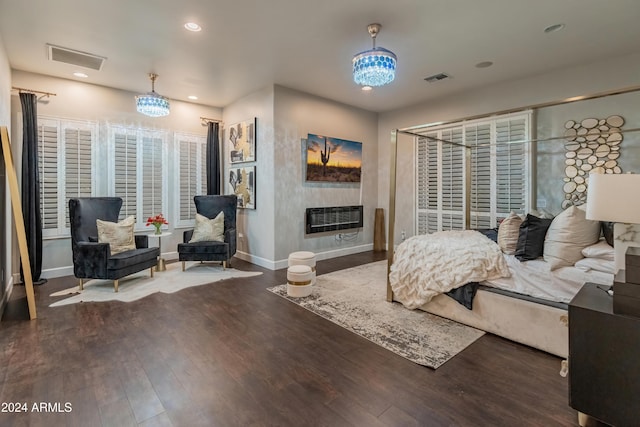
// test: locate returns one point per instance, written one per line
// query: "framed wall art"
(333, 160)
(241, 140)
(242, 182)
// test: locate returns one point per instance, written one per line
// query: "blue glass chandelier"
(374, 67)
(151, 104)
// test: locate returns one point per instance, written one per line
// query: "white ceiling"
(246, 45)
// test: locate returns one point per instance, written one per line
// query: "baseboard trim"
(253, 259)
(335, 253)
(6, 296)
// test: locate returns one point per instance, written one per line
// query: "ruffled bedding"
(427, 265)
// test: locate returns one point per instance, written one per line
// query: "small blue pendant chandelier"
(374, 67)
(151, 104)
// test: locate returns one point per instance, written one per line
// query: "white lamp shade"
(614, 197)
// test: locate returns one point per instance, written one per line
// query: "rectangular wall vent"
(333, 218)
(75, 57)
(437, 77)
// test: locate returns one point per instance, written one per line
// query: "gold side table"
(161, 266)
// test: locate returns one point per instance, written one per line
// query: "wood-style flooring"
(233, 354)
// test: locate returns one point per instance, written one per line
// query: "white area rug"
(355, 299)
(141, 284)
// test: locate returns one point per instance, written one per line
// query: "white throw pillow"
(119, 235)
(508, 233)
(569, 233)
(597, 264)
(600, 250)
(207, 230)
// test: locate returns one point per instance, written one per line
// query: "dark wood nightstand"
(604, 359)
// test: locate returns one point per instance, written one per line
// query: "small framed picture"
(242, 183)
(241, 140)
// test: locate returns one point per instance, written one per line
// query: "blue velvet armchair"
(93, 260)
(210, 206)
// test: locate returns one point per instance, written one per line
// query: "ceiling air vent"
(75, 57)
(437, 77)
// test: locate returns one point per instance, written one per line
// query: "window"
(66, 164)
(498, 173)
(191, 174)
(139, 172)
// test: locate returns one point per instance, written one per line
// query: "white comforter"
(427, 265)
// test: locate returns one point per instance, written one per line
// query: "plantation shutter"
(478, 137)
(125, 176)
(499, 173)
(48, 170)
(512, 169)
(65, 167)
(191, 175)
(78, 163)
(139, 173)
(152, 178)
(452, 178)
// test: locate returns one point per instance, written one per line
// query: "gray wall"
(256, 234)
(561, 84)
(5, 205)
(296, 115)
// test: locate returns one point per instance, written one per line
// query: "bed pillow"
(600, 250)
(531, 237)
(208, 230)
(118, 235)
(597, 264)
(569, 233)
(508, 233)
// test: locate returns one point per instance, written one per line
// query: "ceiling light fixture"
(192, 26)
(192, 97)
(81, 75)
(374, 67)
(367, 88)
(151, 104)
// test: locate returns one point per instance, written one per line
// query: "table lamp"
(616, 198)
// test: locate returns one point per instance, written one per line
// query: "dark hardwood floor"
(233, 354)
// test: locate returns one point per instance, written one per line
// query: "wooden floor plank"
(233, 354)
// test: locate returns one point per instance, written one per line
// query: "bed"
(525, 302)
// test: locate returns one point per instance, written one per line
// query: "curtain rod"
(21, 89)
(206, 120)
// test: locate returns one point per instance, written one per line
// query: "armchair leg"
(81, 284)
(151, 270)
(224, 265)
(183, 265)
(115, 285)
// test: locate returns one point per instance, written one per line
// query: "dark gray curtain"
(31, 184)
(213, 159)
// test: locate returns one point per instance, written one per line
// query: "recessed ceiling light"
(553, 28)
(484, 64)
(367, 88)
(192, 97)
(192, 26)
(79, 74)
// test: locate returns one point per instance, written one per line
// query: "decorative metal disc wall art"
(593, 145)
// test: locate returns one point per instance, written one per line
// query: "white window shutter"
(125, 180)
(499, 173)
(78, 145)
(66, 168)
(48, 141)
(191, 175)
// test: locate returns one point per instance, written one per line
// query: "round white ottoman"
(299, 281)
(304, 258)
